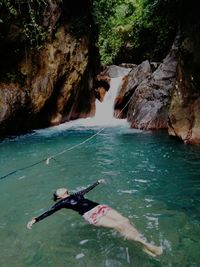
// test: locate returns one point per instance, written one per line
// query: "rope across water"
(47, 160)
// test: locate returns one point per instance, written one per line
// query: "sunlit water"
(151, 178)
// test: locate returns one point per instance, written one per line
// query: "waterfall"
(105, 109)
(104, 116)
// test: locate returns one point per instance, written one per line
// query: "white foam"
(104, 116)
(104, 110)
(79, 256)
(141, 181)
(21, 177)
(127, 191)
(82, 242)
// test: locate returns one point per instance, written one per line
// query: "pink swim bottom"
(93, 216)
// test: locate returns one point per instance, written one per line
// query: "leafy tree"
(134, 29)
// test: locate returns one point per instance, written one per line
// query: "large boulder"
(129, 83)
(146, 93)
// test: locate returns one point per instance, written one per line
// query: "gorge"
(55, 81)
(100, 89)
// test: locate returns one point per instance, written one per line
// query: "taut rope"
(47, 160)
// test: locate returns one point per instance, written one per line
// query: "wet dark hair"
(56, 197)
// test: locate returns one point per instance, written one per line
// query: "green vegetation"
(129, 30)
(27, 15)
(134, 29)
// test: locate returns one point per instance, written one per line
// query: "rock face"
(184, 113)
(129, 83)
(57, 78)
(184, 117)
(168, 96)
(148, 93)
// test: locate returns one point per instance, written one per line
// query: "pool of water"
(152, 179)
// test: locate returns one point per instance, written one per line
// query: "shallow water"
(151, 178)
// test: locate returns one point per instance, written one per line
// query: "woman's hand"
(30, 224)
(101, 181)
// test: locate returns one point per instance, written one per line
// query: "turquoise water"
(152, 179)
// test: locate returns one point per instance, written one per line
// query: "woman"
(96, 214)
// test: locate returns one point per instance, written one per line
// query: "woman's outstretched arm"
(88, 189)
(47, 213)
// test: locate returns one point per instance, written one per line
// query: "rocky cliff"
(48, 81)
(49, 59)
(184, 113)
(147, 91)
(166, 94)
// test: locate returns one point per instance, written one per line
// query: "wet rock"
(101, 86)
(150, 93)
(129, 83)
(114, 71)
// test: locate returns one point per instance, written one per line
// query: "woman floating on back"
(96, 214)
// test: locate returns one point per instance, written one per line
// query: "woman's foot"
(153, 250)
(149, 252)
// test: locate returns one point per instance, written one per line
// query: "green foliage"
(28, 15)
(146, 25)
(33, 28)
(113, 18)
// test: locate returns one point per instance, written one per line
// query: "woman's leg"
(115, 220)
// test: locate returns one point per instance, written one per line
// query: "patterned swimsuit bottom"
(94, 215)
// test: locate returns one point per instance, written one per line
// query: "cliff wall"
(46, 82)
(166, 95)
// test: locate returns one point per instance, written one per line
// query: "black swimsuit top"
(75, 202)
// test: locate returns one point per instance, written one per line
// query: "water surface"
(151, 178)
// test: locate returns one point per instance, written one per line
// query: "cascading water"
(104, 116)
(105, 110)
